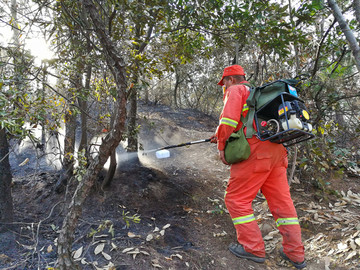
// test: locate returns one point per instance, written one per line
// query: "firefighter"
(264, 170)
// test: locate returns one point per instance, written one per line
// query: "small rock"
(265, 229)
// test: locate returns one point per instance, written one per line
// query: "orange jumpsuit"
(266, 170)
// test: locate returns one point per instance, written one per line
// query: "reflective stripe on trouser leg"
(247, 230)
(287, 221)
(277, 193)
(243, 219)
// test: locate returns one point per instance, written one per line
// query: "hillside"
(169, 213)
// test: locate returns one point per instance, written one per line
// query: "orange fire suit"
(265, 169)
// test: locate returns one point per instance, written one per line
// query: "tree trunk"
(132, 129)
(113, 163)
(83, 115)
(84, 138)
(6, 202)
(116, 65)
(112, 169)
(357, 10)
(69, 151)
(83, 106)
(69, 142)
(295, 42)
(354, 45)
(16, 30)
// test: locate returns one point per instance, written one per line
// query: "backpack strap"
(250, 105)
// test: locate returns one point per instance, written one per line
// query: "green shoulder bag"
(237, 147)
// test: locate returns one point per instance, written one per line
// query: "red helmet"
(231, 70)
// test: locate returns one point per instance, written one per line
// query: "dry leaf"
(149, 237)
(27, 247)
(83, 261)
(351, 254)
(24, 162)
(126, 250)
(131, 235)
(268, 237)
(177, 255)
(113, 246)
(145, 252)
(106, 256)
(188, 209)
(352, 245)
(99, 248)
(162, 232)
(156, 229)
(102, 235)
(166, 226)
(49, 249)
(155, 263)
(136, 251)
(342, 246)
(78, 253)
(357, 241)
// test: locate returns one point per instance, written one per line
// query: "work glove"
(213, 139)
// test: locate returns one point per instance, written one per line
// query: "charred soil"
(169, 213)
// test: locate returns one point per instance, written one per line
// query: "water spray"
(164, 153)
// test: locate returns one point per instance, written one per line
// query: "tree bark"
(354, 45)
(83, 104)
(69, 143)
(113, 163)
(132, 130)
(132, 126)
(116, 65)
(6, 202)
(295, 42)
(357, 10)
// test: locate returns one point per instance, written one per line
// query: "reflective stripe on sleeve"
(243, 219)
(229, 122)
(245, 108)
(287, 221)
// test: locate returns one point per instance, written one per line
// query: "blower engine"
(284, 120)
(294, 115)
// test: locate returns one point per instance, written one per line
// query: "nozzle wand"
(184, 144)
(164, 153)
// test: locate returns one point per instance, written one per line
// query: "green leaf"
(318, 4)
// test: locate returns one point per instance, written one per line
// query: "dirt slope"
(169, 213)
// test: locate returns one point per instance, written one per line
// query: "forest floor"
(169, 213)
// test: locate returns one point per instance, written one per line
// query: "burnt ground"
(169, 213)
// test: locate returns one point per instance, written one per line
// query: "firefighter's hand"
(213, 139)
(222, 157)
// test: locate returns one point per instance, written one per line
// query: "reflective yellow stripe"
(287, 221)
(245, 107)
(243, 219)
(229, 122)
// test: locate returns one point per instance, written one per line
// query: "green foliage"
(323, 158)
(105, 225)
(218, 207)
(20, 108)
(130, 218)
(81, 167)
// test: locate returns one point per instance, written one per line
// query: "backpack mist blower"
(164, 153)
